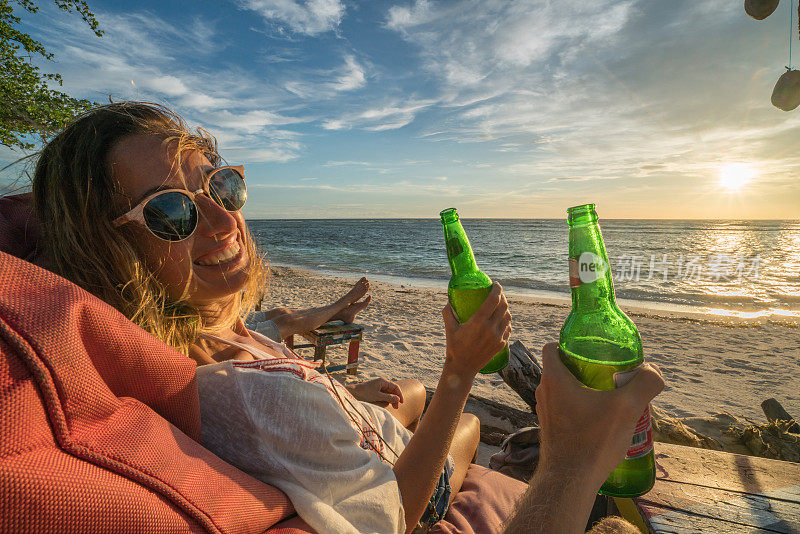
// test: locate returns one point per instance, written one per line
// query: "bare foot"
(348, 315)
(358, 290)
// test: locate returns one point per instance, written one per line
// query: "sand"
(709, 366)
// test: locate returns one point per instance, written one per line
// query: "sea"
(735, 268)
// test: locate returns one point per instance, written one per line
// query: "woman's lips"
(222, 256)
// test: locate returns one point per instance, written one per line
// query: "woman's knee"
(413, 393)
(470, 423)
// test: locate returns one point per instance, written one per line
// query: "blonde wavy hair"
(73, 191)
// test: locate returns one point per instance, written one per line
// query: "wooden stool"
(333, 333)
(699, 490)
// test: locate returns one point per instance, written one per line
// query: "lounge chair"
(99, 423)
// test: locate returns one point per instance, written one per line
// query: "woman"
(138, 210)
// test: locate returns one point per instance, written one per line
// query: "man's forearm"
(417, 470)
(557, 500)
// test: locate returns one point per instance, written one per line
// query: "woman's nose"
(213, 219)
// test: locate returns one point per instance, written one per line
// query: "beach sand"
(709, 366)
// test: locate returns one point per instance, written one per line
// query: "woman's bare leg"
(410, 410)
(463, 449)
(346, 308)
(276, 312)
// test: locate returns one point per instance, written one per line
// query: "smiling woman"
(130, 206)
(734, 176)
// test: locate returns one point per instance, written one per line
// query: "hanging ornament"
(760, 9)
(786, 95)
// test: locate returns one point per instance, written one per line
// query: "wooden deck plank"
(758, 511)
(732, 472)
(699, 490)
(677, 522)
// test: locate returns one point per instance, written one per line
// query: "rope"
(791, 30)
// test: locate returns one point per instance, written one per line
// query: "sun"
(734, 176)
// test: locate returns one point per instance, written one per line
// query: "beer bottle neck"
(459, 252)
(590, 273)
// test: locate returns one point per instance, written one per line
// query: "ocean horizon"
(744, 268)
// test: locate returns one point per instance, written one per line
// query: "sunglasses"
(171, 214)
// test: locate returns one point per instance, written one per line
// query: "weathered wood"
(723, 470)
(699, 490)
(497, 420)
(776, 413)
(754, 510)
(522, 373)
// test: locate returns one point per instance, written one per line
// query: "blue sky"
(502, 109)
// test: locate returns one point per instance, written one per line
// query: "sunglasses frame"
(136, 214)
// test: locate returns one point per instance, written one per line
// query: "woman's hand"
(378, 390)
(471, 345)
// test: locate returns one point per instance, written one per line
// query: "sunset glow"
(734, 176)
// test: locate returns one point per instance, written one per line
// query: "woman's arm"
(469, 347)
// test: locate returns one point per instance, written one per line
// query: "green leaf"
(29, 106)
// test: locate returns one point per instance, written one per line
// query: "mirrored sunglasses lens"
(171, 216)
(228, 189)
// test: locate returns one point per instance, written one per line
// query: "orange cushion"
(94, 417)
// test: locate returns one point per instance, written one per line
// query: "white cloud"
(251, 153)
(168, 85)
(253, 121)
(352, 78)
(388, 117)
(324, 84)
(311, 17)
(401, 17)
(346, 163)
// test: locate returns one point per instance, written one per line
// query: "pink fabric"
(486, 500)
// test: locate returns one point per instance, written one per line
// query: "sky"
(344, 109)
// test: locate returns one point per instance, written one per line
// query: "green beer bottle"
(468, 286)
(599, 340)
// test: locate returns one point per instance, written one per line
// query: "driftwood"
(523, 373)
(775, 413)
(497, 420)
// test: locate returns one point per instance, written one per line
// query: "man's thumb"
(449, 316)
(645, 385)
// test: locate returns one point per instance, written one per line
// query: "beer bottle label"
(586, 268)
(574, 277)
(642, 440)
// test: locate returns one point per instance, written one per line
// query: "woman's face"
(210, 265)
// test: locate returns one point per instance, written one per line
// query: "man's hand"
(584, 435)
(378, 390)
(588, 429)
(471, 345)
